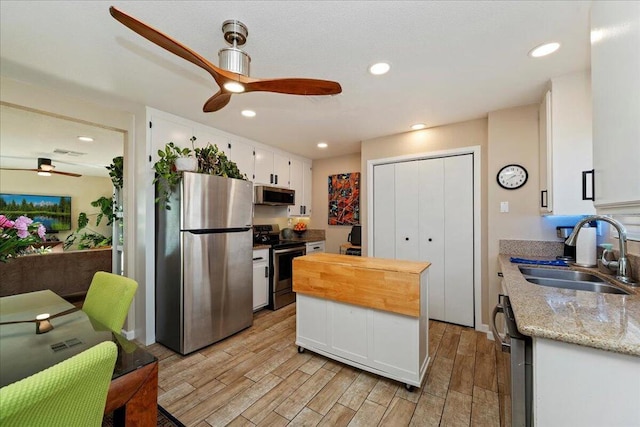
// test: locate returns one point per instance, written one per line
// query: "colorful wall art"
(344, 199)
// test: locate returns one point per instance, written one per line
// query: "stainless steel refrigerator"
(204, 270)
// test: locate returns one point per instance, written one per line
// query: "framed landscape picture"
(54, 212)
(344, 199)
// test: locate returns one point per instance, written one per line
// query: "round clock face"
(512, 177)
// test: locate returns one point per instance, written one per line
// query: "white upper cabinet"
(300, 181)
(615, 67)
(242, 154)
(271, 168)
(566, 160)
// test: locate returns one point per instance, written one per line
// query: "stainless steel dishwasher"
(521, 373)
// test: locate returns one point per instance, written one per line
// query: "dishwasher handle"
(505, 345)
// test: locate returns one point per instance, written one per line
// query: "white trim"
(477, 217)
(130, 335)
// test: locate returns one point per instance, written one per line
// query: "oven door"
(283, 267)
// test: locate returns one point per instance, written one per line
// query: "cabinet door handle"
(430, 239)
(584, 185)
(300, 210)
(266, 272)
(276, 179)
(258, 258)
(406, 238)
(316, 247)
(543, 199)
(304, 210)
(270, 178)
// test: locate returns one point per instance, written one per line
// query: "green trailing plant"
(167, 177)
(211, 161)
(214, 161)
(116, 172)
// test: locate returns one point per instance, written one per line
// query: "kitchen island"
(585, 347)
(370, 313)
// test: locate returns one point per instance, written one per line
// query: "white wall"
(322, 169)
(82, 190)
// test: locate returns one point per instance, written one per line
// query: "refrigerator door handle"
(219, 230)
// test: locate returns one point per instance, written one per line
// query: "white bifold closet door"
(423, 210)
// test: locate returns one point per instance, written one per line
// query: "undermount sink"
(569, 279)
(560, 274)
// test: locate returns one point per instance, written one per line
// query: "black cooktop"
(269, 234)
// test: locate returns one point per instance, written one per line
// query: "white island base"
(384, 341)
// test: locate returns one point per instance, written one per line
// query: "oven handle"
(287, 250)
(506, 346)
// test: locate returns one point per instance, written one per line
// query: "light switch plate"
(504, 206)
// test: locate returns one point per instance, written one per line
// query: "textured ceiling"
(451, 61)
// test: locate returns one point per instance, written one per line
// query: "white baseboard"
(485, 328)
(130, 335)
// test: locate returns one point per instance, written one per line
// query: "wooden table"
(133, 393)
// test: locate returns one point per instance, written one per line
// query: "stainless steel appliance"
(274, 196)
(521, 366)
(204, 275)
(281, 255)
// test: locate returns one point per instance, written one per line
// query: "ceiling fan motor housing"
(45, 164)
(232, 58)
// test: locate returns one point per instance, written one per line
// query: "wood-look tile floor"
(258, 378)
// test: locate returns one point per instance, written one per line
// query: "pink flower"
(22, 225)
(41, 231)
(5, 222)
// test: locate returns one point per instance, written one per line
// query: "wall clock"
(512, 177)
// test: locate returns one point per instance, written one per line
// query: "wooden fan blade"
(294, 86)
(221, 76)
(19, 169)
(216, 102)
(75, 175)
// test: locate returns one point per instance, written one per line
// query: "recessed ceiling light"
(544, 50)
(234, 87)
(379, 68)
(418, 126)
(322, 145)
(248, 113)
(85, 138)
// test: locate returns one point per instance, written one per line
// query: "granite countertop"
(605, 321)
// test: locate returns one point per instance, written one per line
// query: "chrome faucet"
(624, 272)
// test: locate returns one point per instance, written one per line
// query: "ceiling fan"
(233, 74)
(45, 168)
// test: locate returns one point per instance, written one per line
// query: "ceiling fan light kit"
(232, 76)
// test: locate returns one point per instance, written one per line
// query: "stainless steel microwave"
(274, 196)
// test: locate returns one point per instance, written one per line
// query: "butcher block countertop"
(604, 321)
(383, 284)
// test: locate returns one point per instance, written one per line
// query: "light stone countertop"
(605, 321)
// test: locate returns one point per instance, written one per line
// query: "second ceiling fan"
(234, 77)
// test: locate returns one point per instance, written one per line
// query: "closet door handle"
(584, 185)
(543, 199)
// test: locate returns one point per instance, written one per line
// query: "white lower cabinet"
(260, 278)
(388, 344)
(575, 385)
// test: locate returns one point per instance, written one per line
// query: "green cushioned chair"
(71, 393)
(109, 298)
